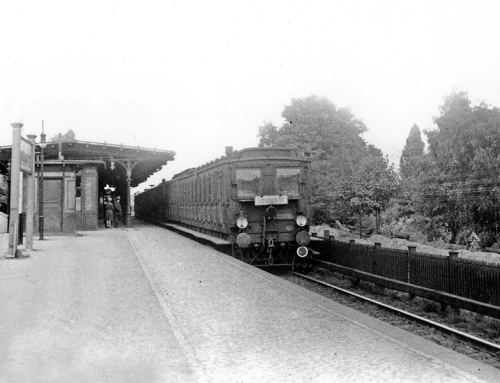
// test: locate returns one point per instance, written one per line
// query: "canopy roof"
(145, 161)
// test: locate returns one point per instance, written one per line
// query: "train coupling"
(270, 242)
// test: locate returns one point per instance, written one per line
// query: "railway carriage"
(257, 199)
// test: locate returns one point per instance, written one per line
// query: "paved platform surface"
(148, 305)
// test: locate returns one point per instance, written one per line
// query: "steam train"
(256, 199)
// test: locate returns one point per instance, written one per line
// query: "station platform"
(144, 304)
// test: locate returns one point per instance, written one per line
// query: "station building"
(75, 177)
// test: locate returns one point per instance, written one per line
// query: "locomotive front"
(271, 221)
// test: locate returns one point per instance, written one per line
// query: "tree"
(461, 184)
(331, 132)
(370, 189)
(413, 152)
(334, 137)
(69, 136)
(411, 166)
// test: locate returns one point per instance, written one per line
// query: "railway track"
(460, 341)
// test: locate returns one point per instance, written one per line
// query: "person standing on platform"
(109, 212)
(118, 211)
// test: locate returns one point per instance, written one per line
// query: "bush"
(3, 196)
(444, 234)
(475, 242)
(393, 213)
(420, 230)
(320, 216)
(488, 239)
(463, 237)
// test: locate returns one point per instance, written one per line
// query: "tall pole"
(40, 188)
(30, 203)
(8, 192)
(14, 189)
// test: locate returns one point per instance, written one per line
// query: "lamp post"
(40, 188)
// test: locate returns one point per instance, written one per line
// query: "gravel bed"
(458, 319)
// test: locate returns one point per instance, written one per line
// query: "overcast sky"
(196, 76)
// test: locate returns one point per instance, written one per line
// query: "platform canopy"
(114, 160)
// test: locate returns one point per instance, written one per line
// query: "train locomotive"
(257, 199)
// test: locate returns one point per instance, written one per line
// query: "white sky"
(196, 76)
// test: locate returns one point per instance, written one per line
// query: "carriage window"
(288, 181)
(248, 181)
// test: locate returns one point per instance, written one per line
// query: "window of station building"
(70, 194)
(288, 181)
(78, 184)
(248, 182)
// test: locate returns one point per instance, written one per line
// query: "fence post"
(331, 246)
(376, 247)
(350, 260)
(326, 237)
(452, 256)
(411, 251)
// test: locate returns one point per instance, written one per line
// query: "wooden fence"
(471, 279)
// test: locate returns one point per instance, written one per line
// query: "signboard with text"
(271, 200)
(26, 156)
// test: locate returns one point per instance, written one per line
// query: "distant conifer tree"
(413, 152)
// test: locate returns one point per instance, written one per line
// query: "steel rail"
(481, 342)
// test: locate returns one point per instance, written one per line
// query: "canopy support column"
(129, 166)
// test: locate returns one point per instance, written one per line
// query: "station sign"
(26, 156)
(271, 200)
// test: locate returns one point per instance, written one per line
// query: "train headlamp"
(241, 222)
(302, 251)
(301, 220)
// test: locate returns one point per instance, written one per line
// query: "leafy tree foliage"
(316, 122)
(370, 189)
(412, 155)
(338, 153)
(461, 186)
(69, 136)
(411, 166)
(3, 197)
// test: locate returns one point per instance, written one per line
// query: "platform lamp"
(40, 189)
